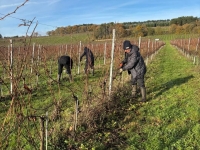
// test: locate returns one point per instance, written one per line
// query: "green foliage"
(140, 30)
(50, 40)
(183, 20)
(104, 31)
(151, 31)
(170, 119)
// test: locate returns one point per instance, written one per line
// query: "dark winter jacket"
(65, 61)
(89, 56)
(134, 63)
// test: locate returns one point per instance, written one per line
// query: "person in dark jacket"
(67, 62)
(135, 65)
(89, 60)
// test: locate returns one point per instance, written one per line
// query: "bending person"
(89, 60)
(67, 62)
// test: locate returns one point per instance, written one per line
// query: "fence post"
(46, 129)
(41, 133)
(197, 49)
(189, 45)
(139, 44)
(104, 62)
(111, 63)
(11, 66)
(1, 90)
(66, 50)
(152, 49)
(147, 59)
(79, 53)
(39, 48)
(33, 57)
(76, 111)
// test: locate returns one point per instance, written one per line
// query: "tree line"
(180, 25)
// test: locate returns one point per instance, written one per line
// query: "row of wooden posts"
(43, 119)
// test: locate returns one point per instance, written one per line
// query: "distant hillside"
(180, 25)
(167, 22)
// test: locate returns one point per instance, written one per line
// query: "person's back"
(66, 60)
(140, 66)
(68, 63)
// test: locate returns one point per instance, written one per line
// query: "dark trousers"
(138, 81)
(60, 69)
(88, 65)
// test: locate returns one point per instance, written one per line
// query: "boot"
(59, 76)
(86, 71)
(134, 91)
(143, 92)
(93, 71)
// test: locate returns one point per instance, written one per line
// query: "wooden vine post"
(111, 62)
(197, 50)
(42, 132)
(11, 66)
(147, 58)
(32, 60)
(46, 130)
(76, 108)
(139, 44)
(1, 93)
(79, 53)
(104, 61)
(66, 49)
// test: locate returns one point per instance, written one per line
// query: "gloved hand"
(120, 70)
(120, 65)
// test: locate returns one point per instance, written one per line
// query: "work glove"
(120, 70)
(120, 65)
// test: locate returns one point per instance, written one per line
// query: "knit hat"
(127, 44)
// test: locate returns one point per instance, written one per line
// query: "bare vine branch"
(14, 10)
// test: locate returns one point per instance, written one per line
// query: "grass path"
(171, 117)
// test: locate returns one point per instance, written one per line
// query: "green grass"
(51, 40)
(170, 118)
(76, 38)
(67, 39)
(167, 37)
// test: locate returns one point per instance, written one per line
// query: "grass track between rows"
(171, 117)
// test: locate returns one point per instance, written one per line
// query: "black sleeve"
(84, 53)
(132, 61)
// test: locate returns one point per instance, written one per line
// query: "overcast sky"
(51, 14)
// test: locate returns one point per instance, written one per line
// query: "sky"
(47, 15)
